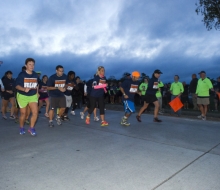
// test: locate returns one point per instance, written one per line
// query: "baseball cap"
(127, 74)
(136, 74)
(202, 72)
(158, 71)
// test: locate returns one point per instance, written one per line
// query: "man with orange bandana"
(129, 88)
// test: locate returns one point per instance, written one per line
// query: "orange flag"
(176, 104)
(218, 93)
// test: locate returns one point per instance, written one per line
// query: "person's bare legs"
(47, 105)
(156, 108)
(144, 107)
(34, 110)
(4, 106)
(12, 101)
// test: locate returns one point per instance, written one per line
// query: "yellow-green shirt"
(176, 88)
(143, 88)
(203, 87)
(158, 94)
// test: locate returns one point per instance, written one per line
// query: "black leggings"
(101, 103)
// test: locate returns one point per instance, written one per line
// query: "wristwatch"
(124, 94)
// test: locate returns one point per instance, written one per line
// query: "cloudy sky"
(121, 35)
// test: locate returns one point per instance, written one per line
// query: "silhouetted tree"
(210, 10)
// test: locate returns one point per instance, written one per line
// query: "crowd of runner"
(61, 94)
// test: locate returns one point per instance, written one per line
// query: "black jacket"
(193, 85)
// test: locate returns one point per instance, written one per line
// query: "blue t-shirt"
(27, 81)
(89, 86)
(70, 86)
(8, 83)
(55, 81)
(98, 81)
(152, 86)
(130, 88)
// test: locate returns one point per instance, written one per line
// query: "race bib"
(70, 86)
(102, 82)
(60, 83)
(133, 88)
(30, 83)
(43, 89)
(155, 86)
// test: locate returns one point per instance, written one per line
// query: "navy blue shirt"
(89, 86)
(8, 83)
(70, 86)
(98, 81)
(152, 86)
(55, 81)
(130, 88)
(27, 81)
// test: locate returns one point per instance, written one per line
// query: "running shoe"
(32, 131)
(58, 121)
(73, 112)
(200, 116)
(157, 120)
(138, 118)
(16, 120)
(160, 112)
(203, 118)
(124, 122)
(87, 120)
(66, 118)
(51, 124)
(96, 118)
(22, 131)
(82, 115)
(27, 121)
(4, 117)
(12, 117)
(46, 115)
(104, 123)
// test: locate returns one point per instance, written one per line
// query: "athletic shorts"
(111, 93)
(68, 101)
(57, 102)
(43, 96)
(23, 100)
(148, 98)
(203, 101)
(129, 106)
(7, 96)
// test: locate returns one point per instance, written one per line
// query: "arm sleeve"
(2, 86)
(182, 89)
(210, 84)
(171, 87)
(19, 80)
(140, 87)
(50, 82)
(85, 88)
(160, 84)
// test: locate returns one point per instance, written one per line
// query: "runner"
(71, 83)
(44, 97)
(202, 93)
(142, 88)
(27, 95)
(57, 86)
(8, 95)
(87, 92)
(97, 95)
(150, 96)
(128, 88)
